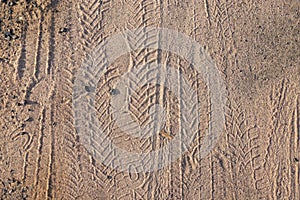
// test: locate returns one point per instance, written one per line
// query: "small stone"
(109, 177)
(12, 3)
(114, 92)
(29, 119)
(25, 102)
(24, 133)
(89, 89)
(63, 30)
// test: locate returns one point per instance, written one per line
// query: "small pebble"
(89, 89)
(114, 92)
(29, 119)
(12, 3)
(109, 177)
(63, 30)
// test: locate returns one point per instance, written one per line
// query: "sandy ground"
(255, 45)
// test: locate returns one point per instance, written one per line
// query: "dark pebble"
(114, 92)
(89, 89)
(24, 133)
(109, 177)
(12, 3)
(63, 30)
(29, 119)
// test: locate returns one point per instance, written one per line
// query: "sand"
(253, 47)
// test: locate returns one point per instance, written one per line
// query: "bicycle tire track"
(51, 71)
(20, 64)
(45, 138)
(39, 149)
(38, 59)
(34, 161)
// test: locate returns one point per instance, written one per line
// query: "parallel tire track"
(244, 143)
(281, 107)
(141, 16)
(93, 26)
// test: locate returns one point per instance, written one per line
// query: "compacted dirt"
(254, 45)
